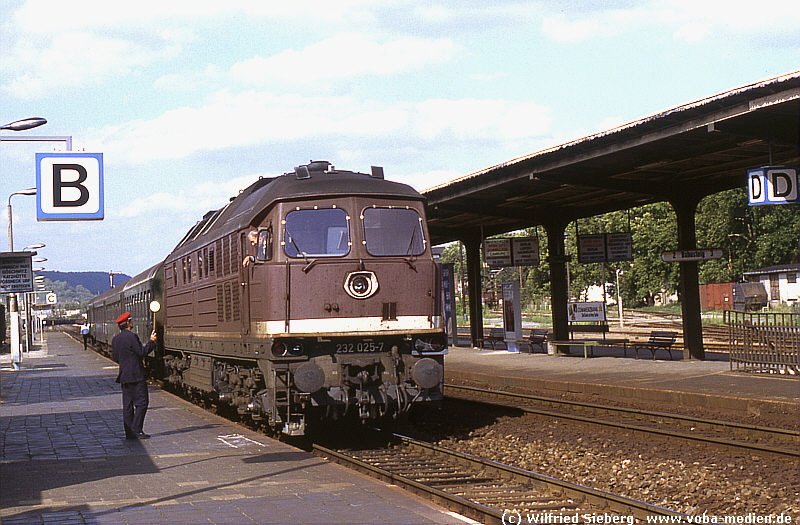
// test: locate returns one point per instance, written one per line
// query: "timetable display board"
(511, 251)
(605, 247)
(16, 274)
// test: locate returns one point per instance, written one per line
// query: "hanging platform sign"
(605, 247)
(497, 252)
(772, 185)
(511, 251)
(700, 254)
(524, 251)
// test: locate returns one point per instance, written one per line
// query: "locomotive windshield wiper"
(296, 247)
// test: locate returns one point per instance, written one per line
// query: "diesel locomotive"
(309, 297)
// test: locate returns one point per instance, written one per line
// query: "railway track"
(739, 436)
(491, 492)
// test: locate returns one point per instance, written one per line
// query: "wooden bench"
(496, 335)
(659, 340)
(532, 337)
(590, 344)
(537, 337)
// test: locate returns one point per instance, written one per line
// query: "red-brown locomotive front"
(310, 297)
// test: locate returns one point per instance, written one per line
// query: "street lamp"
(18, 125)
(29, 191)
(13, 311)
(26, 123)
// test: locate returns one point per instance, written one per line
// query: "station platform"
(646, 383)
(64, 459)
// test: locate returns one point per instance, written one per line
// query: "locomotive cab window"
(393, 231)
(320, 232)
(264, 250)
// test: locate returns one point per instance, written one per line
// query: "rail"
(483, 489)
(751, 438)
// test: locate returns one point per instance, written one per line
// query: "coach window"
(264, 252)
(393, 231)
(316, 232)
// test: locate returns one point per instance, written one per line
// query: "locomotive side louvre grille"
(224, 257)
(228, 300)
(235, 290)
(234, 255)
(390, 311)
(220, 256)
(220, 303)
(211, 266)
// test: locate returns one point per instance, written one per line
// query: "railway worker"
(249, 259)
(128, 351)
(85, 333)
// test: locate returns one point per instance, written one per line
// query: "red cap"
(124, 317)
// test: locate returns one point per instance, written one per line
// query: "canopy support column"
(558, 278)
(689, 279)
(472, 245)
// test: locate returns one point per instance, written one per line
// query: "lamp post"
(619, 300)
(18, 125)
(13, 312)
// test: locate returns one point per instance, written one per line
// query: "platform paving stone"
(64, 459)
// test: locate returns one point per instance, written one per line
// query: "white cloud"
(344, 55)
(193, 201)
(688, 20)
(255, 118)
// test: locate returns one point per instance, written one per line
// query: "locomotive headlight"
(278, 349)
(361, 285)
(291, 349)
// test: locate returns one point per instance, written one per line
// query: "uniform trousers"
(134, 407)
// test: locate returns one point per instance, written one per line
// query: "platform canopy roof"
(696, 149)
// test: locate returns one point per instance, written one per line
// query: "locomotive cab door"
(244, 282)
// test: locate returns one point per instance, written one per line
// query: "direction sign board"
(619, 247)
(525, 251)
(497, 252)
(16, 275)
(69, 186)
(605, 247)
(772, 185)
(501, 252)
(700, 254)
(591, 248)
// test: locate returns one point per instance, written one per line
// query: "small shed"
(733, 296)
(780, 282)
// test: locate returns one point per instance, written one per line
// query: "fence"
(764, 342)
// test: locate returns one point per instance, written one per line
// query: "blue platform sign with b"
(772, 185)
(69, 186)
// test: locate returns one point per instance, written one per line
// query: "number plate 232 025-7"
(358, 347)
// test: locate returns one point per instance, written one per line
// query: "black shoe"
(142, 435)
(131, 436)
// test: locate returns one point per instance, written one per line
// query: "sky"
(190, 101)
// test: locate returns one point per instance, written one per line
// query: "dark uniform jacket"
(128, 351)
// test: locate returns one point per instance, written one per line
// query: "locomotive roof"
(317, 179)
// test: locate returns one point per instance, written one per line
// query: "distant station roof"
(700, 148)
